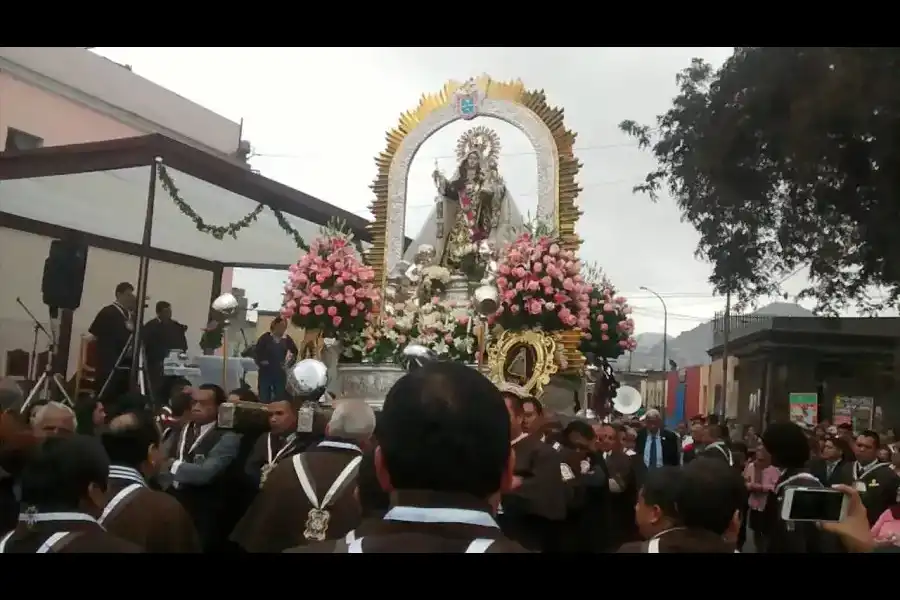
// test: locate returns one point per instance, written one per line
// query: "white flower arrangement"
(444, 326)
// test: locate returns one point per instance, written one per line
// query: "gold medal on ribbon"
(316, 525)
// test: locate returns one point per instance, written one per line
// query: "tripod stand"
(41, 388)
(143, 381)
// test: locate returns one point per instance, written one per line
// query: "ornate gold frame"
(567, 213)
(544, 347)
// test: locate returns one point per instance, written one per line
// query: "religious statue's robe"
(877, 486)
(282, 513)
(151, 519)
(63, 532)
(199, 479)
(528, 513)
(419, 522)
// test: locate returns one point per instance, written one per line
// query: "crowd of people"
(451, 463)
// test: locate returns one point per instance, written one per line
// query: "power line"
(594, 148)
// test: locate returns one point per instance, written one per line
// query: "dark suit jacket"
(670, 446)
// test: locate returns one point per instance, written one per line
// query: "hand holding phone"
(854, 530)
(820, 505)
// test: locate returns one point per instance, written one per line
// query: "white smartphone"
(814, 504)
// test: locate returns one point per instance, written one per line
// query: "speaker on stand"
(62, 286)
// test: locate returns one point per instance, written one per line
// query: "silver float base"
(368, 382)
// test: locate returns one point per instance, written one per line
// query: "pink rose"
(514, 309)
(604, 327)
(349, 291)
(568, 285)
(304, 310)
(554, 249)
(608, 307)
(353, 312)
(338, 297)
(533, 286)
(463, 319)
(336, 321)
(332, 311)
(319, 310)
(291, 305)
(604, 337)
(537, 267)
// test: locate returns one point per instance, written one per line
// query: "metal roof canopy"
(102, 188)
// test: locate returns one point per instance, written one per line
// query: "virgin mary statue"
(474, 205)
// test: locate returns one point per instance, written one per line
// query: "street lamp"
(665, 326)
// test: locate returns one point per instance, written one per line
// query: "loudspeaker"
(63, 281)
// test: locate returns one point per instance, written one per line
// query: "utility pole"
(725, 335)
(665, 356)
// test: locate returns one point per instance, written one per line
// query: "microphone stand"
(42, 385)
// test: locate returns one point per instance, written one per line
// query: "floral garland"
(441, 325)
(329, 288)
(540, 286)
(611, 328)
(232, 229)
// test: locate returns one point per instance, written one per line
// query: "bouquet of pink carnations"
(329, 288)
(540, 286)
(610, 332)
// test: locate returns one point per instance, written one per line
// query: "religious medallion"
(316, 525)
(523, 358)
(264, 474)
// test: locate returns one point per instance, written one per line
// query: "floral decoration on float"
(329, 291)
(540, 286)
(444, 326)
(610, 331)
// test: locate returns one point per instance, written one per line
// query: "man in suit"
(445, 453)
(691, 510)
(197, 469)
(112, 328)
(316, 481)
(161, 335)
(152, 519)
(63, 488)
(657, 446)
(624, 473)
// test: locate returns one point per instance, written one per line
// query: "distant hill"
(690, 347)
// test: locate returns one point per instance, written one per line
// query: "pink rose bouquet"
(611, 328)
(329, 288)
(540, 286)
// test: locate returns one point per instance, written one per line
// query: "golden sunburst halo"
(567, 213)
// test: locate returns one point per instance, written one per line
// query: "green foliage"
(786, 158)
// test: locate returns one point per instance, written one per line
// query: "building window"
(20, 140)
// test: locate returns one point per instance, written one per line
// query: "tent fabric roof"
(190, 167)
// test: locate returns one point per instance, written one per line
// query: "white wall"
(21, 268)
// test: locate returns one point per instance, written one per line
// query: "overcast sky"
(318, 116)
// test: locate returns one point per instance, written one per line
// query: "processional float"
(450, 272)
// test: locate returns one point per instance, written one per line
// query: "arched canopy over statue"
(472, 206)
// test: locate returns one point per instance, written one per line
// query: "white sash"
(183, 441)
(477, 546)
(271, 460)
(858, 475)
(720, 446)
(338, 445)
(796, 477)
(348, 472)
(54, 539)
(124, 494)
